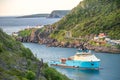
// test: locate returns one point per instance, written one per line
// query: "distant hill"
(53, 14)
(90, 17)
(58, 13)
(34, 16)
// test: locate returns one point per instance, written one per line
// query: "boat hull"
(77, 64)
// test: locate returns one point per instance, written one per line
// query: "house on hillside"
(114, 42)
(100, 39)
(103, 39)
(102, 35)
(15, 34)
(37, 27)
(27, 28)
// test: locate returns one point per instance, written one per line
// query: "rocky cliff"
(41, 36)
(58, 13)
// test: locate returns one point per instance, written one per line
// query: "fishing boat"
(83, 59)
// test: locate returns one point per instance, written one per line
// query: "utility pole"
(40, 64)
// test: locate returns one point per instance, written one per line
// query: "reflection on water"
(80, 74)
(90, 71)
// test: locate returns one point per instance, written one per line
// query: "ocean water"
(109, 62)
(110, 66)
(12, 24)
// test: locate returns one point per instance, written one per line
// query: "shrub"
(25, 33)
(118, 46)
(27, 53)
(30, 75)
(1, 47)
(52, 74)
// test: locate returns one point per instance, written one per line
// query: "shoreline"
(101, 49)
(43, 38)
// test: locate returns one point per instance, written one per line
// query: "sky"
(27, 7)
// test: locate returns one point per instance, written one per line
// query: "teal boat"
(83, 59)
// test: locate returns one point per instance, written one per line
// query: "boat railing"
(83, 50)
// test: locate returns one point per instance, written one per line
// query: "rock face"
(58, 13)
(43, 38)
(103, 49)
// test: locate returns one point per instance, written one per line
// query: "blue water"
(109, 62)
(12, 24)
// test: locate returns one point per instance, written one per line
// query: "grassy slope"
(14, 58)
(91, 17)
(18, 62)
(25, 33)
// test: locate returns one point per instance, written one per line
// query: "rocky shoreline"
(43, 38)
(54, 43)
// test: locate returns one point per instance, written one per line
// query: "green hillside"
(18, 62)
(90, 17)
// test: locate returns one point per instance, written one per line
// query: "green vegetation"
(30, 75)
(91, 42)
(90, 17)
(25, 33)
(61, 35)
(14, 59)
(118, 46)
(52, 74)
(41, 30)
(18, 62)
